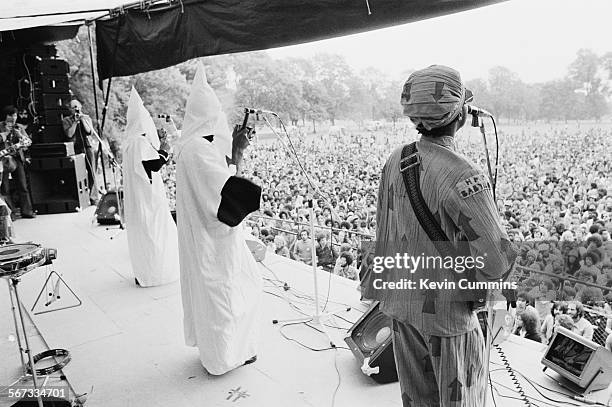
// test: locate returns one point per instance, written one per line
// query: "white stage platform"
(127, 342)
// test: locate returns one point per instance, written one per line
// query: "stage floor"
(127, 342)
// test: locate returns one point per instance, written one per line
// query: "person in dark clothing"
(14, 163)
(326, 254)
(78, 127)
(529, 326)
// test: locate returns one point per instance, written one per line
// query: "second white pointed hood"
(139, 121)
(204, 116)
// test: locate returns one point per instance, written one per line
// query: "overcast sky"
(537, 39)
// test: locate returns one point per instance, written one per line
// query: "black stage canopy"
(135, 41)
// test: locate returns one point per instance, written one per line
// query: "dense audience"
(554, 193)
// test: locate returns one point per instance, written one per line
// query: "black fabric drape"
(155, 39)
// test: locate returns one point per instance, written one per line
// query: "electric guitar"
(23, 143)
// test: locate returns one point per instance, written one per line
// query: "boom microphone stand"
(319, 319)
(478, 122)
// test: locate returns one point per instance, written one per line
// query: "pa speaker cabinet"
(53, 66)
(59, 184)
(53, 117)
(371, 337)
(53, 101)
(48, 150)
(49, 134)
(54, 84)
(42, 50)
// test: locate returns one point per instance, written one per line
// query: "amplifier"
(53, 116)
(54, 66)
(65, 149)
(53, 101)
(54, 84)
(49, 134)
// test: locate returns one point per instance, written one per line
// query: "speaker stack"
(58, 176)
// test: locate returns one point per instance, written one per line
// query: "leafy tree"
(558, 100)
(333, 72)
(587, 71)
(505, 92)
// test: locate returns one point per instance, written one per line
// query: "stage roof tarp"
(22, 14)
(141, 36)
(139, 41)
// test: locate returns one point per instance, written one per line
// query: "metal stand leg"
(27, 349)
(23, 365)
(488, 343)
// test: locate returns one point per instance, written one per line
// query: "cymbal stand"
(19, 330)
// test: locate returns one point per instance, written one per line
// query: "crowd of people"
(546, 191)
(554, 193)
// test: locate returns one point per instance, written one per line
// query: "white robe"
(221, 285)
(151, 232)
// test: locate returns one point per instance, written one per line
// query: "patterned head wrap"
(434, 96)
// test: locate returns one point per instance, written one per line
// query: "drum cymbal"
(15, 251)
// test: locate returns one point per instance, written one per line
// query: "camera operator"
(78, 127)
(13, 133)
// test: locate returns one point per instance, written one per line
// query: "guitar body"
(8, 160)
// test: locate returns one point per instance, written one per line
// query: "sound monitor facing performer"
(584, 365)
(370, 341)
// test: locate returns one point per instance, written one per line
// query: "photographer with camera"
(78, 127)
(14, 138)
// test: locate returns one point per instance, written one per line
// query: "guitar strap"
(410, 167)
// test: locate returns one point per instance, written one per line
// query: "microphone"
(258, 111)
(476, 111)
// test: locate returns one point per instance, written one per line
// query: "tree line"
(308, 91)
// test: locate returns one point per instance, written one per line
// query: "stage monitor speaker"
(107, 212)
(370, 340)
(54, 84)
(59, 185)
(53, 66)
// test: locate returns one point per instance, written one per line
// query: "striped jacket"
(459, 195)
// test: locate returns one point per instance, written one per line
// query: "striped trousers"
(437, 370)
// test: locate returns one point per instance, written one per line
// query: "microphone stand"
(319, 319)
(114, 166)
(478, 122)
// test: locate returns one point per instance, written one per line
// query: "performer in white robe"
(221, 285)
(151, 232)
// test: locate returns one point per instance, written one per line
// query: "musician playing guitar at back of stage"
(13, 134)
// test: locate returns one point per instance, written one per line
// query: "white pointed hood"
(139, 121)
(204, 116)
